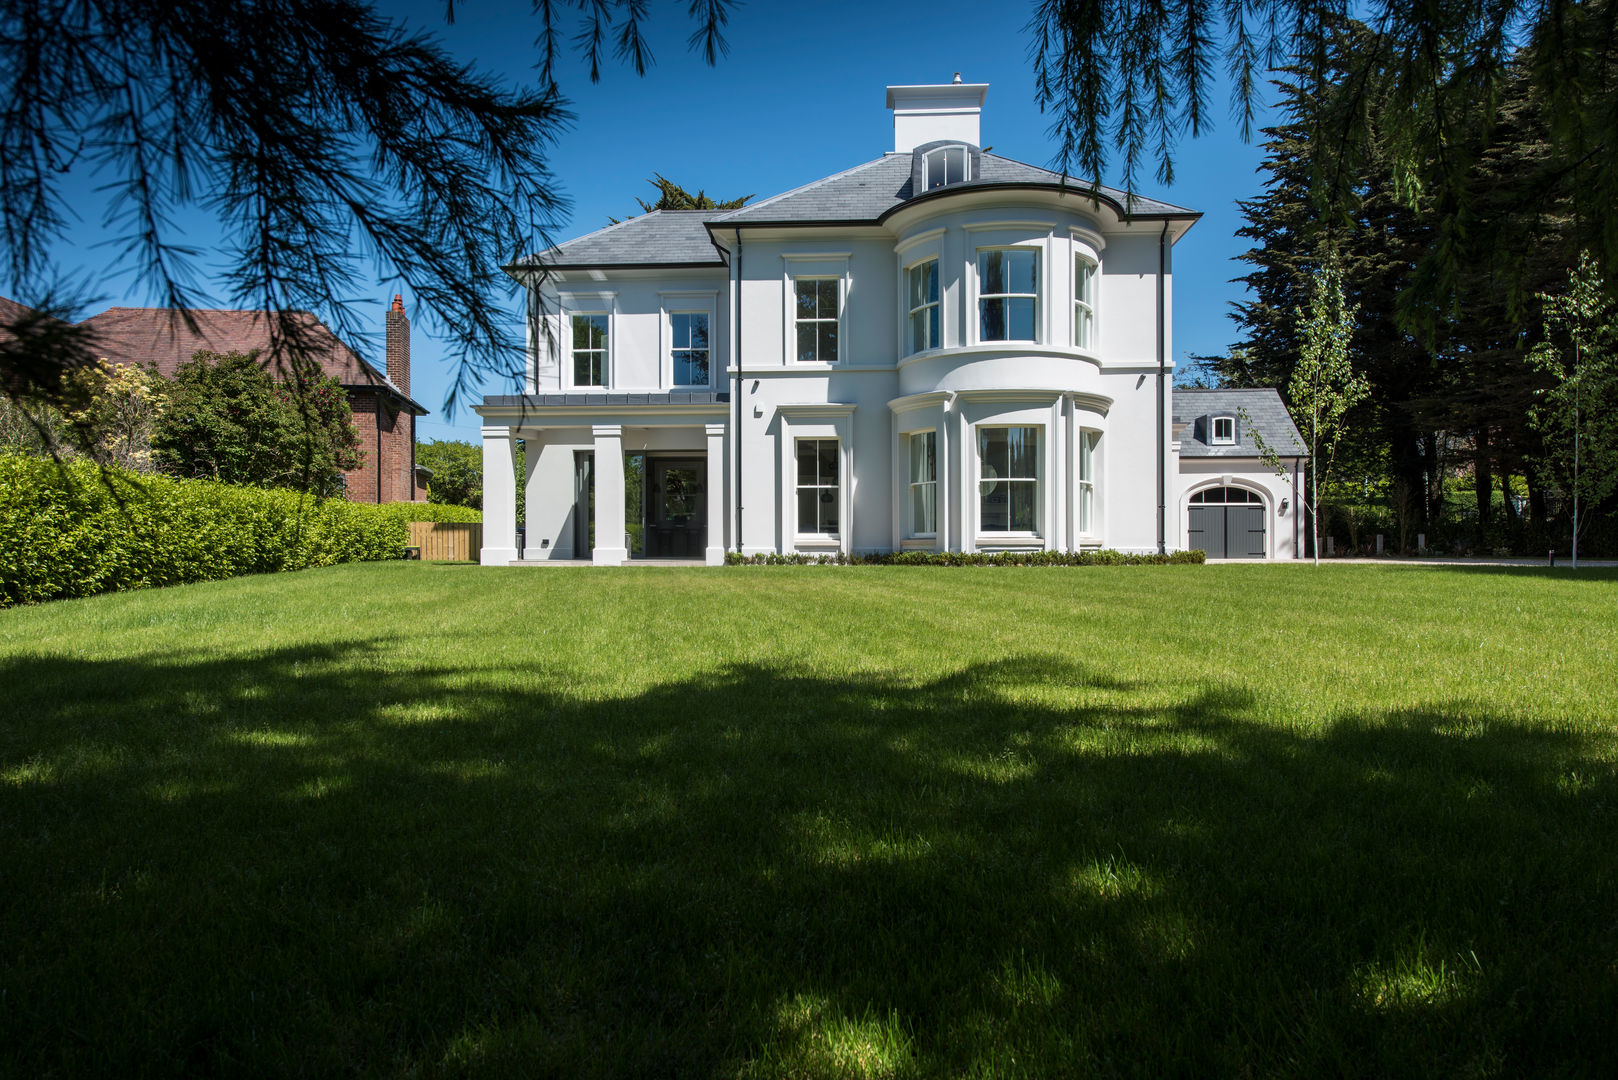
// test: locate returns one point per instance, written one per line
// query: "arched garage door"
(1227, 523)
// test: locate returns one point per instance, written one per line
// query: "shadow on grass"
(298, 862)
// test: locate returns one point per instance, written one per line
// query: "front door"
(676, 508)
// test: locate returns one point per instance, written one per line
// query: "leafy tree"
(110, 418)
(1131, 78)
(310, 129)
(1578, 413)
(671, 196)
(457, 472)
(228, 419)
(1323, 388)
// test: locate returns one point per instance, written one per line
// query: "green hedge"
(404, 511)
(70, 531)
(973, 558)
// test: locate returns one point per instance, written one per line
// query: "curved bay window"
(1008, 294)
(1008, 480)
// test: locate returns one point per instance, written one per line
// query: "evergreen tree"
(671, 196)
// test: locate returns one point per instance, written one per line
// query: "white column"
(943, 490)
(499, 498)
(533, 512)
(717, 503)
(609, 480)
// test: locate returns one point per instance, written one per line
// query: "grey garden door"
(1227, 523)
(1207, 531)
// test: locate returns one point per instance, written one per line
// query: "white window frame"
(835, 487)
(574, 349)
(814, 420)
(591, 302)
(1088, 518)
(817, 266)
(687, 302)
(935, 305)
(931, 482)
(1038, 252)
(941, 155)
(1215, 438)
(1041, 446)
(818, 319)
(1085, 271)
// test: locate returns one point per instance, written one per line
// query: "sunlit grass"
(420, 819)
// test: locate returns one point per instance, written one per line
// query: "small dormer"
(947, 112)
(1220, 429)
(939, 164)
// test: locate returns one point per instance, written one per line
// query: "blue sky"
(800, 96)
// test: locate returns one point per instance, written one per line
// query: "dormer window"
(1224, 431)
(946, 165)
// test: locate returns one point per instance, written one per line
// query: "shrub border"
(971, 558)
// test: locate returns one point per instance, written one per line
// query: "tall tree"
(309, 128)
(1578, 413)
(1323, 389)
(227, 418)
(1131, 77)
(671, 196)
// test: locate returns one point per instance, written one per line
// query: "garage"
(1227, 523)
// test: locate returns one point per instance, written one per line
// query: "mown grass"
(417, 819)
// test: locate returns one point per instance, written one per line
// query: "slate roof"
(1263, 409)
(660, 238)
(159, 338)
(861, 195)
(866, 192)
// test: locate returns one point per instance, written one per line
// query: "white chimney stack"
(924, 114)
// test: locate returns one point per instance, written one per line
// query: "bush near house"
(971, 558)
(73, 530)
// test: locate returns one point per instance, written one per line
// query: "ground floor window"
(1008, 479)
(924, 483)
(818, 486)
(1087, 481)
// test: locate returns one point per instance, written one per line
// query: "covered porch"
(605, 478)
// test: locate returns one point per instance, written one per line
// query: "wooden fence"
(457, 541)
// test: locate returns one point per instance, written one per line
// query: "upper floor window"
(924, 323)
(589, 350)
(946, 165)
(1084, 312)
(689, 335)
(1008, 294)
(924, 483)
(816, 319)
(1224, 431)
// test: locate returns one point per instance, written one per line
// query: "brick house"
(384, 412)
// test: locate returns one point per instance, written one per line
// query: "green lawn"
(428, 819)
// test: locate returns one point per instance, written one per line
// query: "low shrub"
(71, 530)
(969, 558)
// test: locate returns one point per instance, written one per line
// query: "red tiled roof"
(158, 336)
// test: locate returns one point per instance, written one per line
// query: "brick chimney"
(399, 345)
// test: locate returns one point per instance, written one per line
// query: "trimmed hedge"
(973, 558)
(407, 512)
(66, 531)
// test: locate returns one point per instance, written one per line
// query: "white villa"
(940, 349)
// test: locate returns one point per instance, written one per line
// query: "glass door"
(677, 512)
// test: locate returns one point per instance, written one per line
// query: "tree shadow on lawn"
(296, 862)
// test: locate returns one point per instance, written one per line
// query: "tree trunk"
(1483, 484)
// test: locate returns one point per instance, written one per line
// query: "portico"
(605, 478)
